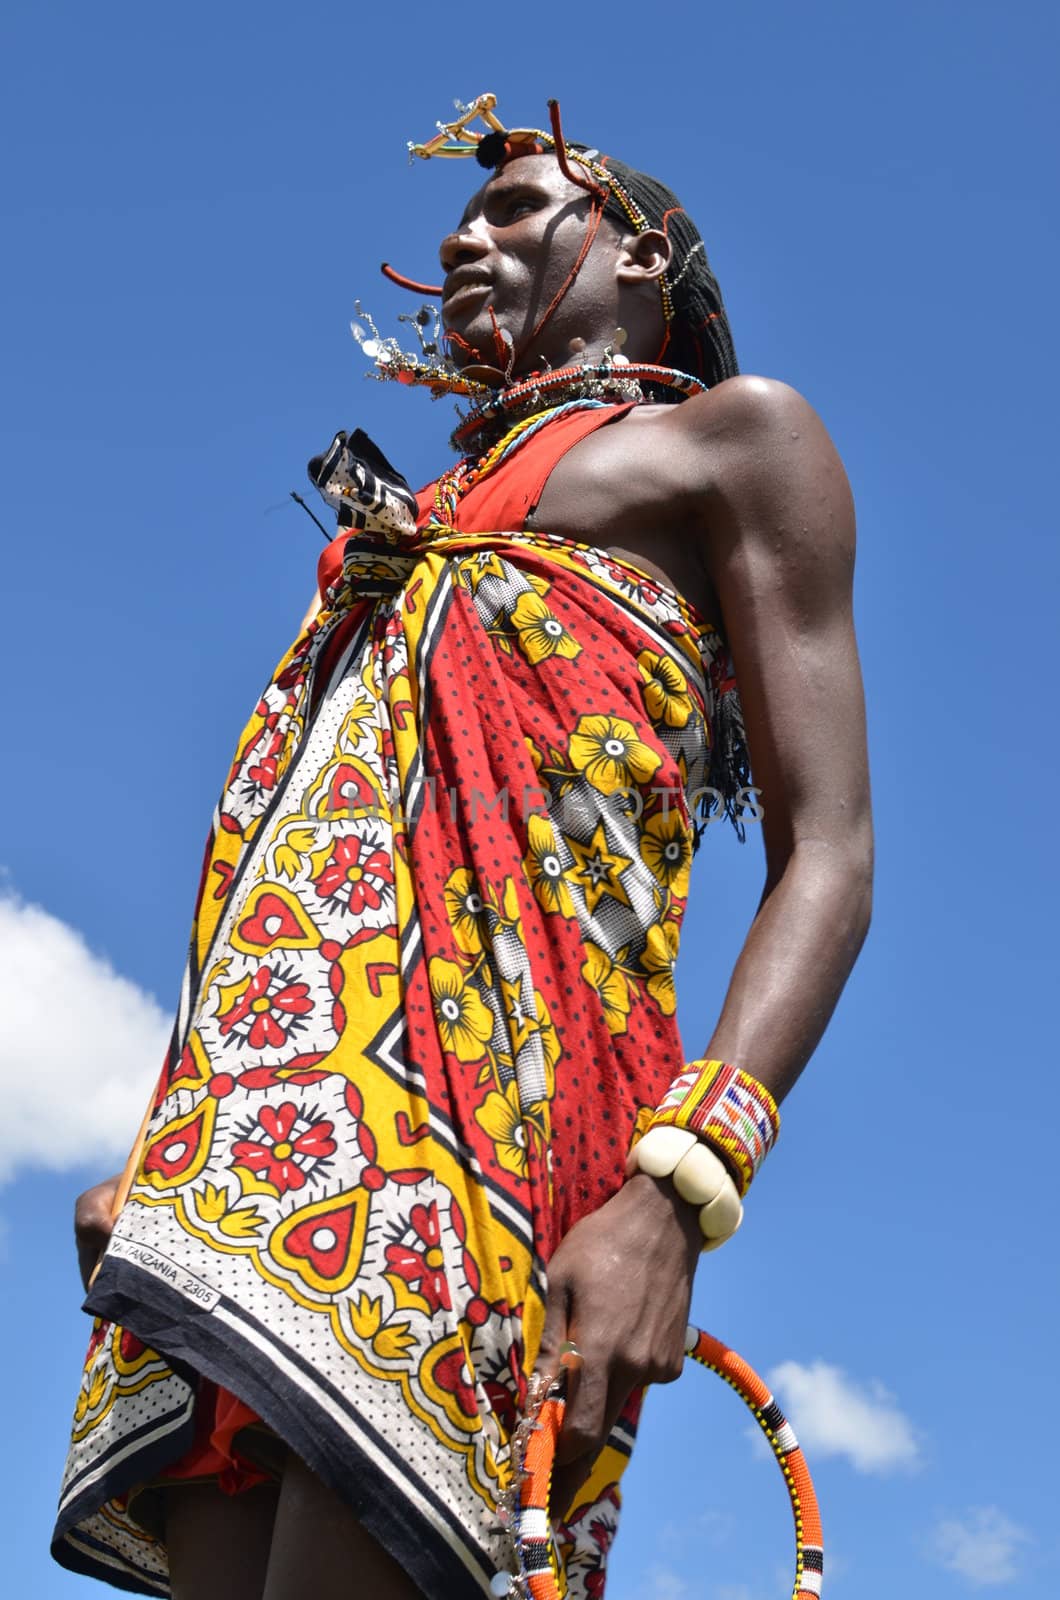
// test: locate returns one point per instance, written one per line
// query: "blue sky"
(192, 200)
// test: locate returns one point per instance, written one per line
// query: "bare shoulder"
(764, 460)
(756, 416)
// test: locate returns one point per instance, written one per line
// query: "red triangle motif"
(349, 790)
(176, 1147)
(271, 920)
(323, 1241)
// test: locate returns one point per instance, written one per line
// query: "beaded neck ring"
(606, 382)
(497, 400)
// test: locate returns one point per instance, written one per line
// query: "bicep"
(780, 547)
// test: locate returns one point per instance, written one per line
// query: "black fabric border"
(67, 1554)
(193, 1341)
(149, 1461)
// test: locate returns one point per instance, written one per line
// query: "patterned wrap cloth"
(429, 1004)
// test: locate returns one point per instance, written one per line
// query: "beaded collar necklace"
(611, 380)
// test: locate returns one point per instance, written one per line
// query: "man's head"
(559, 268)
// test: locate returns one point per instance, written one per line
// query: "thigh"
(218, 1543)
(320, 1549)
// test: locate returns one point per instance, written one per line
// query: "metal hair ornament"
(457, 138)
(499, 143)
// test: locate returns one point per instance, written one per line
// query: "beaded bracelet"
(698, 1176)
(726, 1107)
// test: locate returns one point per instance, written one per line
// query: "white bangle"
(698, 1175)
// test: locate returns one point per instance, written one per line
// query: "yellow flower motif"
(366, 1316)
(521, 1025)
(464, 1021)
(666, 846)
(539, 631)
(288, 855)
(660, 952)
(550, 1044)
(501, 1119)
(601, 974)
(598, 868)
(665, 689)
(466, 910)
(210, 1202)
(287, 862)
(242, 1224)
(392, 1342)
(544, 869)
(609, 753)
(509, 909)
(483, 564)
(353, 722)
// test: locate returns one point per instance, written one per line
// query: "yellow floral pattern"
(407, 1023)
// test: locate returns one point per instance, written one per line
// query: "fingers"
(554, 1334)
(556, 1351)
(619, 1286)
(585, 1433)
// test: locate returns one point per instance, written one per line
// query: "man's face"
(512, 251)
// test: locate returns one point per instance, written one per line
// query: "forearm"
(798, 954)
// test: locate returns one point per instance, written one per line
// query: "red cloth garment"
(429, 1006)
(219, 1417)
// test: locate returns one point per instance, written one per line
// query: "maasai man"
(427, 1045)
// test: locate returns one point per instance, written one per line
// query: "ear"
(643, 257)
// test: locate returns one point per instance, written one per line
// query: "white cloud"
(833, 1415)
(80, 1047)
(983, 1546)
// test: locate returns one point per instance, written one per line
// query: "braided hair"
(698, 337)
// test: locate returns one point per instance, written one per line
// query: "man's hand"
(619, 1287)
(93, 1220)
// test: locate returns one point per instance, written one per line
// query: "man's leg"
(218, 1543)
(320, 1549)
